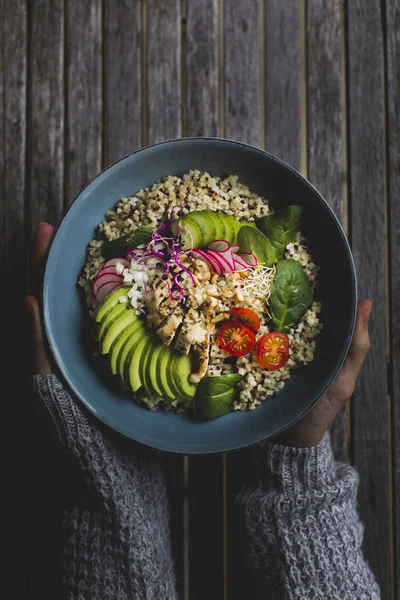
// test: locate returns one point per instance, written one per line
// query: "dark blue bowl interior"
(66, 320)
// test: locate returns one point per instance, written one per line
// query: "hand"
(42, 362)
(310, 430)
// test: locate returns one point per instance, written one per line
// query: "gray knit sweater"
(303, 534)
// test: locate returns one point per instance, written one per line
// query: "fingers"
(41, 363)
(360, 344)
(43, 236)
(344, 385)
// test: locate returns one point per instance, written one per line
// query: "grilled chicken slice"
(167, 331)
(165, 310)
(156, 293)
(192, 331)
(202, 351)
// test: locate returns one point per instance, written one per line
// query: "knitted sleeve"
(117, 538)
(302, 529)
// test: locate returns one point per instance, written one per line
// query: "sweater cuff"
(300, 470)
(69, 419)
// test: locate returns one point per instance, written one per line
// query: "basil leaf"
(281, 229)
(291, 295)
(118, 247)
(251, 239)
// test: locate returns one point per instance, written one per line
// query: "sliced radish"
(219, 245)
(106, 278)
(216, 266)
(108, 270)
(105, 290)
(235, 248)
(229, 257)
(203, 255)
(240, 263)
(221, 259)
(249, 258)
(113, 261)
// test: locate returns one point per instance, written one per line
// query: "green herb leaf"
(215, 395)
(253, 240)
(118, 247)
(291, 295)
(281, 229)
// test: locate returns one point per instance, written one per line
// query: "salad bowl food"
(199, 296)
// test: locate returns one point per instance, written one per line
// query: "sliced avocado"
(150, 376)
(181, 369)
(160, 372)
(110, 301)
(108, 319)
(116, 328)
(126, 349)
(210, 407)
(118, 343)
(133, 362)
(170, 374)
(146, 359)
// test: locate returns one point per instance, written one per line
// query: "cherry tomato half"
(246, 316)
(273, 350)
(236, 338)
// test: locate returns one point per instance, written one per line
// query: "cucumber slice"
(219, 220)
(207, 223)
(191, 233)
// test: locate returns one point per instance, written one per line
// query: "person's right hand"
(310, 430)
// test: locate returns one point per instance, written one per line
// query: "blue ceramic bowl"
(65, 315)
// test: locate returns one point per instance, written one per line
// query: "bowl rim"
(57, 355)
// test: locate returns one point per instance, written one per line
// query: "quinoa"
(177, 196)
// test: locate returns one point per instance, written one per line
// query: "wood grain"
(366, 152)
(205, 472)
(242, 71)
(17, 468)
(45, 166)
(282, 80)
(202, 68)
(123, 79)
(84, 38)
(393, 166)
(163, 118)
(164, 97)
(325, 130)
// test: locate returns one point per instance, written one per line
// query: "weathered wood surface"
(370, 418)
(84, 88)
(122, 85)
(326, 116)
(242, 71)
(282, 80)
(202, 68)
(163, 70)
(392, 55)
(46, 108)
(13, 87)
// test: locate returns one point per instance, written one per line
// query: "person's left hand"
(42, 362)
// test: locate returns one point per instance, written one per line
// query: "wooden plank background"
(316, 82)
